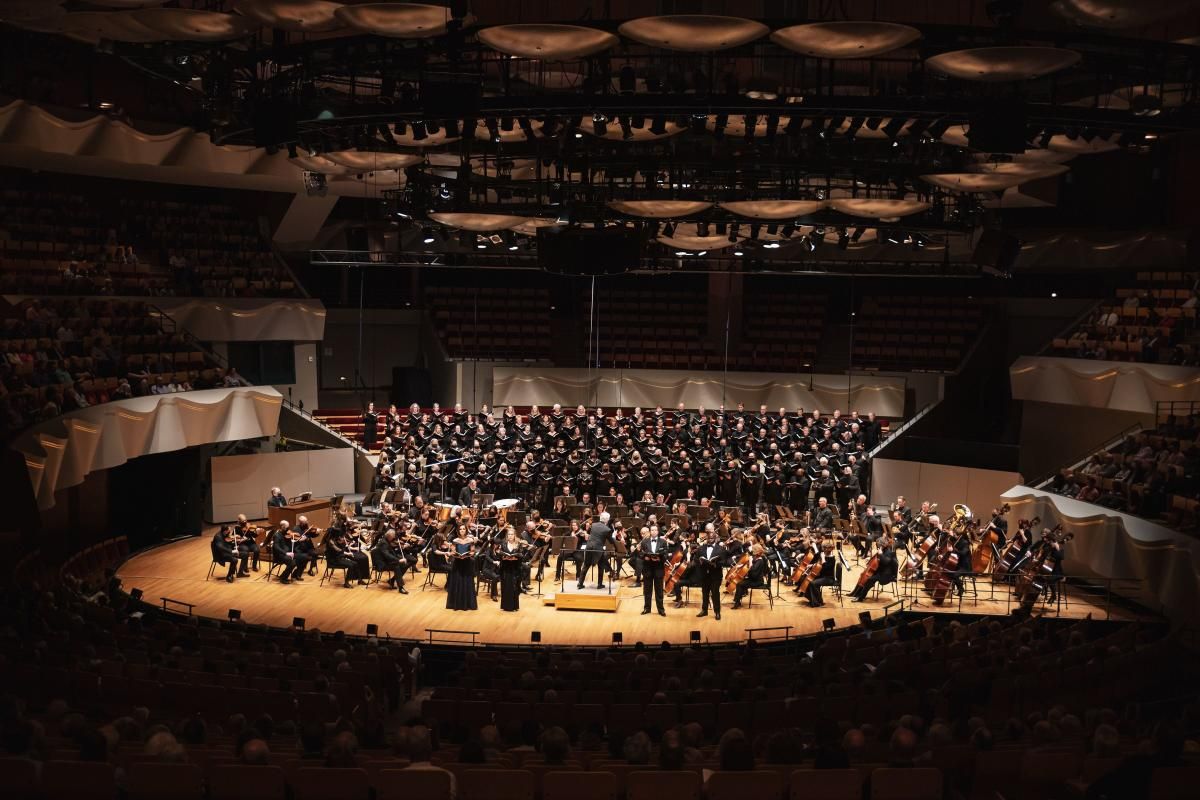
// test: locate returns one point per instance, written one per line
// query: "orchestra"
(772, 515)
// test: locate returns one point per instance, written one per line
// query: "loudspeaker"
(411, 385)
(997, 250)
(589, 251)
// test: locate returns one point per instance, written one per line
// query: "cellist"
(756, 576)
(884, 571)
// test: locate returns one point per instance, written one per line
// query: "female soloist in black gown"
(512, 571)
(460, 583)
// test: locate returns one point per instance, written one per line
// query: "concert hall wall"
(938, 483)
(1054, 435)
(157, 497)
(241, 484)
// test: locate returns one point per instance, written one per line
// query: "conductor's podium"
(571, 598)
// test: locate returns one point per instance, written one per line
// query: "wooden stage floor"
(177, 570)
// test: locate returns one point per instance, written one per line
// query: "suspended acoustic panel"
(992, 180)
(530, 226)
(846, 39)
(659, 209)
(735, 125)
(877, 208)
(693, 33)
(302, 16)
(774, 209)
(516, 134)
(360, 160)
(478, 222)
(398, 20)
(547, 42)
(125, 3)
(320, 164)
(995, 64)
(1080, 146)
(687, 237)
(189, 25)
(517, 169)
(92, 26)
(1032, 156)
(1118, 13)
(21, 12)
(616, 133)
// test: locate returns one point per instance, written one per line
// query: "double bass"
(937, 580)
(923, 550)
(981, 560)
(1012, 558)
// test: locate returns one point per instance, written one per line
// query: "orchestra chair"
(879, 586)
(330, 568)
(273, 568)
(405, 784)
(330, 783)
(828, 784)
(1174, 783)
(764, 785)
(652, 784)
(212, 568)
(836, 588)
(496, 784)
(78, 780)
(18, 779)
(561, 784)
(761, 588)
(149, 780)
(923, 783)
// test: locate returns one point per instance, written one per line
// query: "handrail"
(165, 600)
(1192, 406)
(787, 630)
(1065, 332)
(893, 435)
(1041, 481)
(305, 413)
(432, 631)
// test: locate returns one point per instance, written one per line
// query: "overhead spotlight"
(751, 124)
(855, 124)
(787, 231)
(892, 237)
(858, 234)
(510, 240)
(427, 236)
(681, 253)
(843, 239)
(452, 130)
(419, 133)
(702, 253)
(772, 229)
(291, 148)
(771, 246)
(1145, 105)
(481, 242)
(702, 229)
(733, 231)
(873, 123)
(668, 230)
(627, 80)
(433, 127)
(399, 128)
(794, 126)
(526, 127)
(626, 127)
(893, 126)
(835, 123)
(658, 126)
(737, 251)
(493, 128)
(719, 124)
(755, 228)
(599, 124)
(722, 227)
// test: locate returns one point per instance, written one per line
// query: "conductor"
(594, 551)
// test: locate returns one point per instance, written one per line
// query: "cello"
(869, 572)
(981, 561)
(675, 568)
(914, 561)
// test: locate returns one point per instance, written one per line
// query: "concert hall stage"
(177, 571)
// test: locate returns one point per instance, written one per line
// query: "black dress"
(512, 567)
(460, 583)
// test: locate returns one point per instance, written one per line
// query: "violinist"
(338, 554)
(248, 535)
(651, 552)
(572, 549)
(290, 549)
(710, 558)
(309, 535)
(757, 577)
(884, 573)
(225, 551)
(826, 578)
(388, 557)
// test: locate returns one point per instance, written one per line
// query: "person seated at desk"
(467, 496)
(276, 500)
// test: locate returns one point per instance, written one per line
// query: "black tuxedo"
(223, 553)
(598, 536)
(293, 555)
(654, 553)
(386, 558)
(710, 561)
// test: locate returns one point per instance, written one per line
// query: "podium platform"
(318, 510)
(571, 598)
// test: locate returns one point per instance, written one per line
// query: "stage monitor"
(589, 251)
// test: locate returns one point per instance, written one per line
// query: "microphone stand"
(442, 464)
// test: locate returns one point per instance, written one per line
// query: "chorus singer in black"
(599, 534)
(652, 550)
(710, 558)
(370, 421)
(513, 558)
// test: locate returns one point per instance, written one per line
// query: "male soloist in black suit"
(653, 551)
(710, 558)
(595, 555)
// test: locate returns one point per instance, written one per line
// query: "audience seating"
(915, 333)
(492, 323)
(781, 331)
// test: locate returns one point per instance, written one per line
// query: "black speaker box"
(589, 251)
